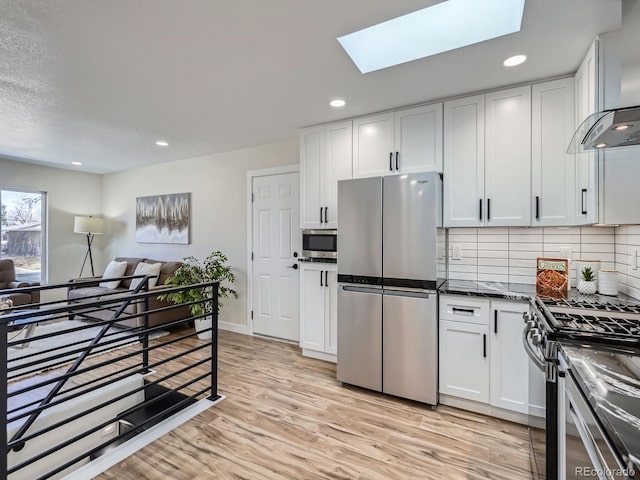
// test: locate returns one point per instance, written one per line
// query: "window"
(22, 230)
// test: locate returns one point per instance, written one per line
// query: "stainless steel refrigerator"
(387, 284)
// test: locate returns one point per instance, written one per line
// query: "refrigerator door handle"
(409, 292)
(361, 289)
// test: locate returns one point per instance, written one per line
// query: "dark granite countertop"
(610, 380)
(521, 292)
(509, 291)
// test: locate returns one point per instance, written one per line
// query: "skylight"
(446, 26)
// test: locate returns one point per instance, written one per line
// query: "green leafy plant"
(192, 271)
(588, 275)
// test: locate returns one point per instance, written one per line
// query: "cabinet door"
(373, 152)
(331, 312)
(508, 157)
(553, 169)
(509, 360)
(464, 162)
(337, 166)
(312, 302)
(464, 360)
(418, 139)
(311, 159)
(586, 91)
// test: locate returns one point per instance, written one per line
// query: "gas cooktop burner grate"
(600, 306)
(597, 324)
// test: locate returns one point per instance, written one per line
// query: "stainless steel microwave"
(319, 243)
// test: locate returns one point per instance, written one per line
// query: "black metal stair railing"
(115, 385)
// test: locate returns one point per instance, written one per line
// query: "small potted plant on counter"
(587, 283)
(213, 269)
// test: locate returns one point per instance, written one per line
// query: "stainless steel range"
(558, 335)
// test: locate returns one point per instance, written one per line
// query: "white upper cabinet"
(464, 162)
(418, 139)
(311, 160)
(405, 141)
(325, 158)
(586, 103)
(373, 139)
(508, 157)
(487, 159)
(337, 166)
(553, 170)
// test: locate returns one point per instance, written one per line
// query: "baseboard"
(490, 410)
(327, 357)
(234, 327)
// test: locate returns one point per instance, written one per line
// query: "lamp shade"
(88, 225)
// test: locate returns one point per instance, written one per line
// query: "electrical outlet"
(456, 252)
(634, 260)
(565, 252)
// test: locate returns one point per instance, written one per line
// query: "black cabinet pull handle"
(462, 310)
(326, 278)
(320, 214)
(321, 279)
(391, 161)
(495, 321)
(488, 209)
(584, 195)
(326, 209)
(397, 168)
(480, 209)
(537, 208)
(484, 345)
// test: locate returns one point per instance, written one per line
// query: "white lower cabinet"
(319, 310)
(509, 361)
(464, 363)
(482, 358)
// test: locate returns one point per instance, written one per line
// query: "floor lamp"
(90, 226)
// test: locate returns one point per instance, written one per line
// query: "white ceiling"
(100, 81)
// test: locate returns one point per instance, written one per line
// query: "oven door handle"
(587, 441)
(530, 353)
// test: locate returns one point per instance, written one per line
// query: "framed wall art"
(163, 218)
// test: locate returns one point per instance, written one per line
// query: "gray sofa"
(92, 291)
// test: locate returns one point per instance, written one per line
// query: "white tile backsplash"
(627, 246)
(509, 254)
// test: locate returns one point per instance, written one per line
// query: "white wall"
(217, 184)
(69, 193)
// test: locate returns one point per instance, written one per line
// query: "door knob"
(294, 266)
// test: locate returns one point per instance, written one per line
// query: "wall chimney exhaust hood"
(619, 127)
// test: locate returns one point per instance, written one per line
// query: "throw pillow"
(144, 268)
(113, 270)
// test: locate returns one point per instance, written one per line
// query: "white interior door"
(276, 237)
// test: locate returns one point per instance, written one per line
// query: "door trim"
(251, 174)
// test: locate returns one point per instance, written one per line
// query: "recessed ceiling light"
(601, 145)
(76, 163)
(161, 143)
(622, 127)
(338, 103)
(515, 60)
(436, 29)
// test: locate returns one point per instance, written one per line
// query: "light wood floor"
(286, 417)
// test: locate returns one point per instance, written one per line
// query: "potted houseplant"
(213, 269)
(587, 282)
